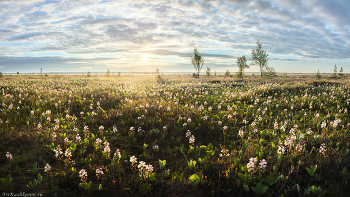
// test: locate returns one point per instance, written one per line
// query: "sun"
(144, 58)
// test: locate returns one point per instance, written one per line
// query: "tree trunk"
(261, 73)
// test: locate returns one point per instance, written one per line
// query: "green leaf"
(162, 164)
(40, 178)
(312, 170)
(343, 172)
(100, 187)
(146, 187)
(88, 185)
(307, 190)
(246, 188)
(152, 176)
(194, 180)
(298, 188)
(244, 177)
(277, 178)
(7, 180)
(270, 180)
(259, 189)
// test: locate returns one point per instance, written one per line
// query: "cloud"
(39, 30)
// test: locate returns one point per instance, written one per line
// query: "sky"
(300, 36)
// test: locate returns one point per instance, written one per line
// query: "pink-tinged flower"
(58, 151)
(99, 171)
(66, 140)
(47, 168)
(101, 128)
(323, 148)
(83, 175)
(149, 168)
(299, 147)
(192, 139)
(156, 147)
(251, 164)
(141, 165)
(98, 141)
(280, 149)
(117, 152)
(68, 153)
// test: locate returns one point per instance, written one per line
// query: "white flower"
(280, 149)
(86, 128)
(117, 152)
(189, 120)
(47, 167)
(323, 148)
(299, 147)
(240, 132)
(141, 165)
(77, 138)
(99, 171)
(156, 147)
(251, 164)
(133, 160)
(58, 151)
(192, 139)
(98, 141)
(107, 149)
(115, 129)
(188, 134)
(82, 174)
(68, 153)
(262, 163)
(309, 132)
(224, 153)
(149, 168)
(9, 155)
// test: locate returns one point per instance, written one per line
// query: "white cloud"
(304, 29)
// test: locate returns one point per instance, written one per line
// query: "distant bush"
(207, 72)
(318, 75)
(88, 74)
(269, 72)
(228, 74)
(341, 72)
(0, 74)
(335, 71)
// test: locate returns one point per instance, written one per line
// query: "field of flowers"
(174, 136)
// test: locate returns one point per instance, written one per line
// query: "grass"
(191, 137)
